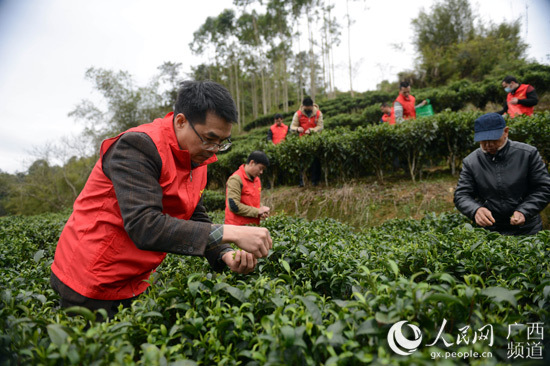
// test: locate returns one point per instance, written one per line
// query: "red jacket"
(307, 122)
(409, 112)
(517, 109)
(250, 195)
(278, 132)
(389, 119)
(95, 256)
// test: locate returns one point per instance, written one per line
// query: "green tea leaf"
(38, 255)
(80, 310)
(236, 293)
(57, 334)
(313, 310)
(500, 294)
(393, 266)
(285, 265)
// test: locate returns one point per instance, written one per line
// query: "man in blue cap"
(504, 184)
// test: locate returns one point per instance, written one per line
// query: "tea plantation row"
(326, 295)
(351, 151)
(454, 96)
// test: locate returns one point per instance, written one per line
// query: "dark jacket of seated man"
(513, 179)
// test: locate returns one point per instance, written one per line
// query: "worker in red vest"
(143, 200)
(307, 120)
(278, 130)
(388, 115)
(243, 192)
(404, 105)
(520, 99)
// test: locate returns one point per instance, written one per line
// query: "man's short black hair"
(384, 104)
(259, 157)
(277, 116)
(196, 98)
(508, 79)
(404, 84)
(307, 102)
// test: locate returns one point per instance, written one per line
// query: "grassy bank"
(367, 203)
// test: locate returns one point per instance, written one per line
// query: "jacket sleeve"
(539, 183)
(133, 164)
(466, 192)
(295, 123)
(200, 213)
(214, 247)
(320, 123)
(234, 189)
(504, 108)
(531, 98)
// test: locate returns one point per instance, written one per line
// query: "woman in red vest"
(520, 99)
(243, 192)
(143, 200)
(404, 106)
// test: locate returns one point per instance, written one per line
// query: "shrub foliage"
(325, 295)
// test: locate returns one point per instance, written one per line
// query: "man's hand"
(263, 212)
(240, 261)
(484, 217)
(300, 129)
(255, 240)
(308, 131)
(517, 218)
(514, 101)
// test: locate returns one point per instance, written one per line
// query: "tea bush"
(325, 295)
(350, 150)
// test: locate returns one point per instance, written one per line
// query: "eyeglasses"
(211, 146)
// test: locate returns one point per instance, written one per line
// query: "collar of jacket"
(501, 153)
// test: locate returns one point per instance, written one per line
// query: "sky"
(46, 46)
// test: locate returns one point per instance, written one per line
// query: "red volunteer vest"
(517, 109)
(307, 122)
(389, 119)
(409, 112)
(95, 256)
(250, 196)
(278, 132)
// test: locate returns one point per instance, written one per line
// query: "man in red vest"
(307, 120)
(278, 130)
(143, 200)
(404, 105)
(243, 192)
(388, 115)
(520, 99)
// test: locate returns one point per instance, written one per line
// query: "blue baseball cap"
(490, 126)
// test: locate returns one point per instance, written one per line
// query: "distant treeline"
(353, 144)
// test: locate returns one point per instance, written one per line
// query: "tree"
(452, 47)
(126, 105)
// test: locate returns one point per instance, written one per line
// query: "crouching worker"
(143, 200)
(504, 184)
(243, 192)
